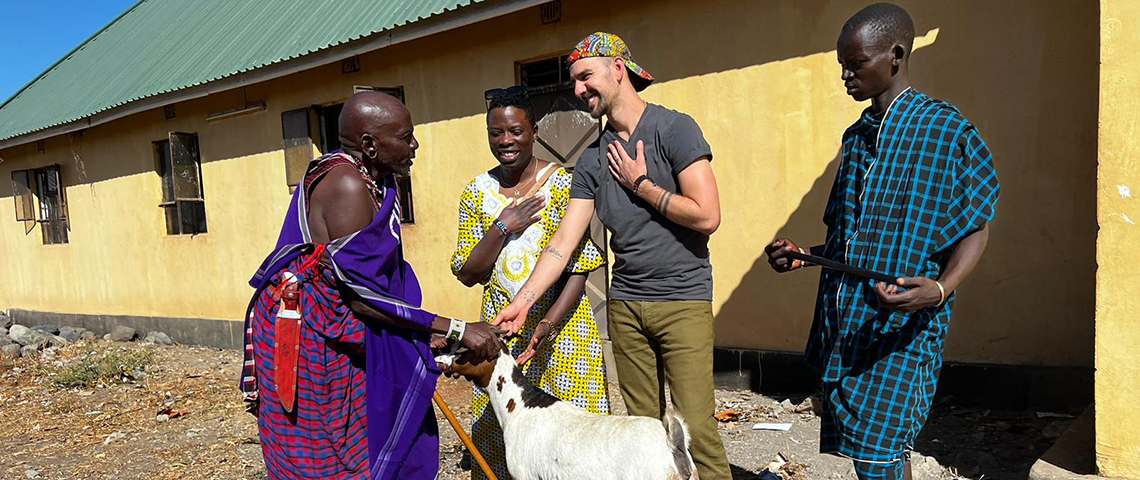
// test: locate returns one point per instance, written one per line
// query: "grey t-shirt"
(656, 259)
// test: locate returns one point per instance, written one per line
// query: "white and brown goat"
(548, 439)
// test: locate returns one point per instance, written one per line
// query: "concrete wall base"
(188, 331)
(1014, 387)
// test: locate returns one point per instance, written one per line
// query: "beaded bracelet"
(503, 228)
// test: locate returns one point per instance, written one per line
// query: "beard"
(381, 167)
(601, 107)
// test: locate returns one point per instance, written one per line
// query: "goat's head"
(477, 372)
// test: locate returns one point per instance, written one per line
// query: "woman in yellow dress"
(506, 217)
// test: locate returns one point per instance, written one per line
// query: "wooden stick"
(463, 436)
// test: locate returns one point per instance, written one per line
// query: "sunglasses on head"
(494, 93)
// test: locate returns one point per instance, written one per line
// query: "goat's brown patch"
(502, 380)
(511, 405)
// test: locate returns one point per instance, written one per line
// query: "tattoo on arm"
(529, 296)
(662, 204)
(665, 207)
(553, 251)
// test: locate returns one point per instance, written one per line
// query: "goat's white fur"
(563, 442)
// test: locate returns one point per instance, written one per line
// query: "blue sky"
(36, 33)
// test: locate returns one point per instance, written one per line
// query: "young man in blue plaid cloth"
(915, 191)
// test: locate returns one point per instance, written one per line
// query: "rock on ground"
(114, 437)
(28, 350)
(70, 333)
(48, 329)
(33, 338)
(158, 338)
(5, 320)
(924, 467)
(11, 350)
(122, 334)
(86, 335)
(15, 331)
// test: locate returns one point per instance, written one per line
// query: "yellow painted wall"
(1118, 245)
(761, 79)
(119, 259)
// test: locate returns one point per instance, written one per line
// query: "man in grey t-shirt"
(657, 259)
(650, 179)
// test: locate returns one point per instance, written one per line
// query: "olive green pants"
(658, 342)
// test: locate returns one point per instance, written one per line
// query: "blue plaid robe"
(911, 184)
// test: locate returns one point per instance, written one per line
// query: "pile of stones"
(22, 341)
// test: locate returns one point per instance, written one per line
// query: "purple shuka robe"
(401, 372)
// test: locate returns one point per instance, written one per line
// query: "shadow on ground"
(999, 444)
(739, 473)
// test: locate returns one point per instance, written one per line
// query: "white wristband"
(456, 330)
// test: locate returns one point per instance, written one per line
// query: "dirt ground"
(183, 419)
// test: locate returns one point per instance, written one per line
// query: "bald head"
(377, 128)
(368, 111)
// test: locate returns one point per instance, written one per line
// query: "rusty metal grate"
(551, 12)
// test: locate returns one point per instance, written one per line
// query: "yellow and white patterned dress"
(570, 365)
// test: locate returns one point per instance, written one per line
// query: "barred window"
(46, 184)
(179, 166)
(297, 142)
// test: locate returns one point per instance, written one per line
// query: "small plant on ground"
(103, 368)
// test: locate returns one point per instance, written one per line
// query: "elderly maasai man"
(338, 368)
(913, 196)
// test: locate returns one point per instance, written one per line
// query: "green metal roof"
(160, 46)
